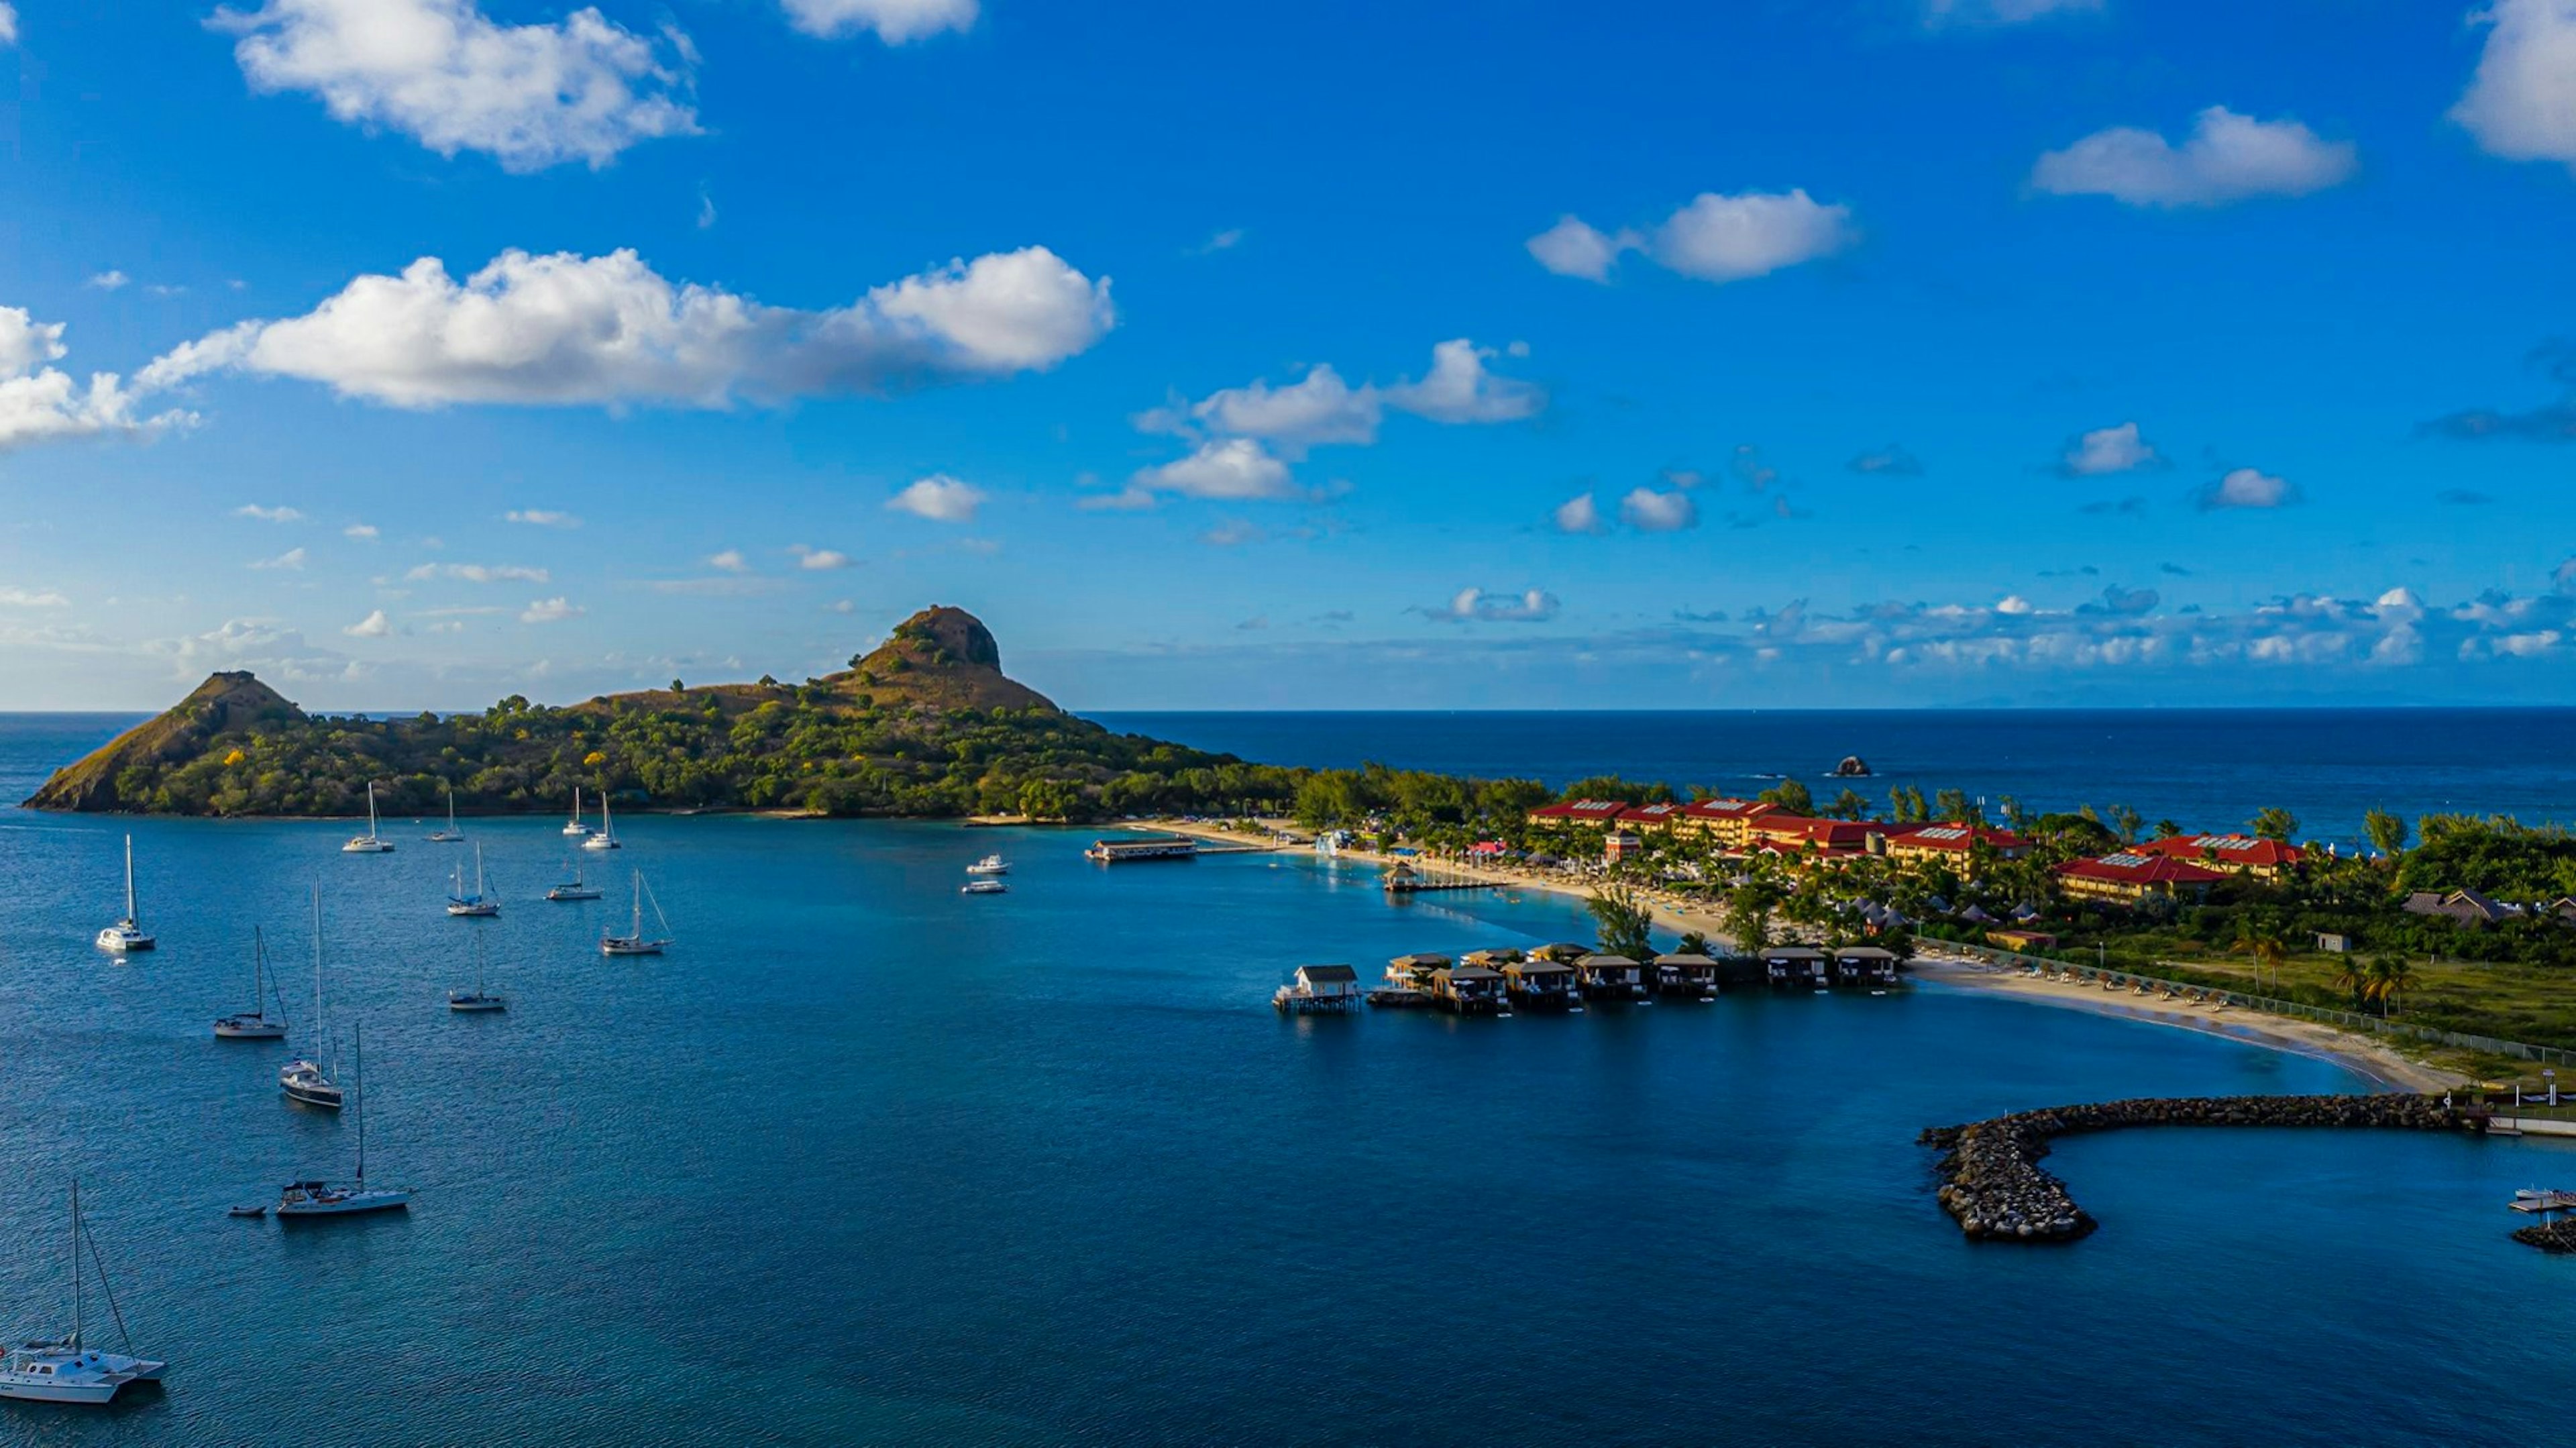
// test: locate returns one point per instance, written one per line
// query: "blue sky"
(1867, 353)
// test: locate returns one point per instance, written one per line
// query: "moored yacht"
(478, 999)
(67, 1369)
(606, 836)
(303, 1078)
(127, 934)
(982, 887)
(574, 826)
(256, 1024)
(477, 906)
(451, 834)
(633, 942)
(369, 843)
(300, 1199)
(573, 889)
(990, 865)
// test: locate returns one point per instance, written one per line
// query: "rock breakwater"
(1992, 1183)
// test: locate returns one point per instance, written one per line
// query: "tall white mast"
(371, 809)
(317, 969)
(130, 917)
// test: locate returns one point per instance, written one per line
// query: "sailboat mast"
(317, 967)
(637, 929)
(76, 1272)
(130, 916)
(358, 1088)
(371, 809)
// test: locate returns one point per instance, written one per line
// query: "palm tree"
(2387, 832)
(2354, 979)
(2390, 976)
(2274, 823)
(2265, 948)
(1626, 923)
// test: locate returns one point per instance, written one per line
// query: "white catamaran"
(574, 826)
(634, 942)
(303, 1078)
(256, 1024)
(67, 1369)
(477, 906)
(126, 934)
(369, 843)
(606, 838)
(297, 1200)
(451, 834)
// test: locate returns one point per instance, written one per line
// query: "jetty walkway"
(1992, 1184)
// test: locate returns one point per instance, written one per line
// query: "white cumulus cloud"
(2227, 157)
(8, 25)
(730, 560)
(894, 21)
(279, 514)
(1234, 469)
(1649, 511)
(363, 531)
(1458, 388)
(550, 610)
(541, 518)
(2247, 488)
(42, 403)
(2521, 104)
(441, 72)
(1576, 248)
(12, 596)
(940, 498)
(1475, 605)
(1580, 514)
(108, 280)
(567, 330)
(818, 560)
(1731, 238)
(374, 626)
(1324, 409)
(2107, 450)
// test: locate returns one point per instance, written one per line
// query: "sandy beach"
(2373, 1058)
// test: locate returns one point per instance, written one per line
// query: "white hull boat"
(255, 1024)
(303, 1079)
(126, 935)
(990, 865)
(451, 834)
(634, 941)
(480, 999)
(369, 843)
(982, 887)
(477, 906)
(67, 1370)
(574, 827)
(302, 1199)
(606, 836)
(573, 889)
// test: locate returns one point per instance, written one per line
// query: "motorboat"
(67, 1369)
(477, 906)
(303, 1079)
(982, 887)
(574, 827)
(369, 843)
(605, 838)
(451, 834)
(634, 942)
(302, 1199)
(127, 935)
(256, 1024)
(990, 865)
(574, 889)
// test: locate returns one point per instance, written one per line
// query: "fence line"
(2349, 1020)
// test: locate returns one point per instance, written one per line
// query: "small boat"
(2536, 1199)
(982, 887)
(256, 1024)
(606, 838)
(303, 1078)
(477, 999)
(574, 827)
(990, 865)
(574, 889)
(369, 843)
(633, 942)
(451, 834)
(300, 1199)
(254, 1209)
(477, 906)
(127, 935)
(66, 1369)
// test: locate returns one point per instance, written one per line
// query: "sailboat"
(574, 889)
(574, 826)
(633, 941)
(451, 834)
(606, 838)
(303, 1078)
(256, 1024)
(126, 934)
(477, 999)
(67, 1369)
(368, 843)
(322, 1199)
(477, 906)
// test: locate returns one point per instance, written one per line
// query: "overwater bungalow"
(1795, 965)
(1414, 971)
(1539, 985)
(1495, 959)
(1319, 990)
(1468, 990)
(1687, 974)
(1610, 977)
(1563, 953)
(1864, 965)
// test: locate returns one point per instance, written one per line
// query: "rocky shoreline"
(1992, 1184)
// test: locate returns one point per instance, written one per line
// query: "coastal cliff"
(925, 724)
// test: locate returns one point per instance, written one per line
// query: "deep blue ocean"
(867, 1161)
(2207, 769)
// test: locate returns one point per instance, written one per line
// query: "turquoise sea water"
(864, 1160)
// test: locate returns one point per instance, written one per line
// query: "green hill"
(926, 724)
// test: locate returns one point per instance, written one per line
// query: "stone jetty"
(1991, 1181)
(2557, 1236)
